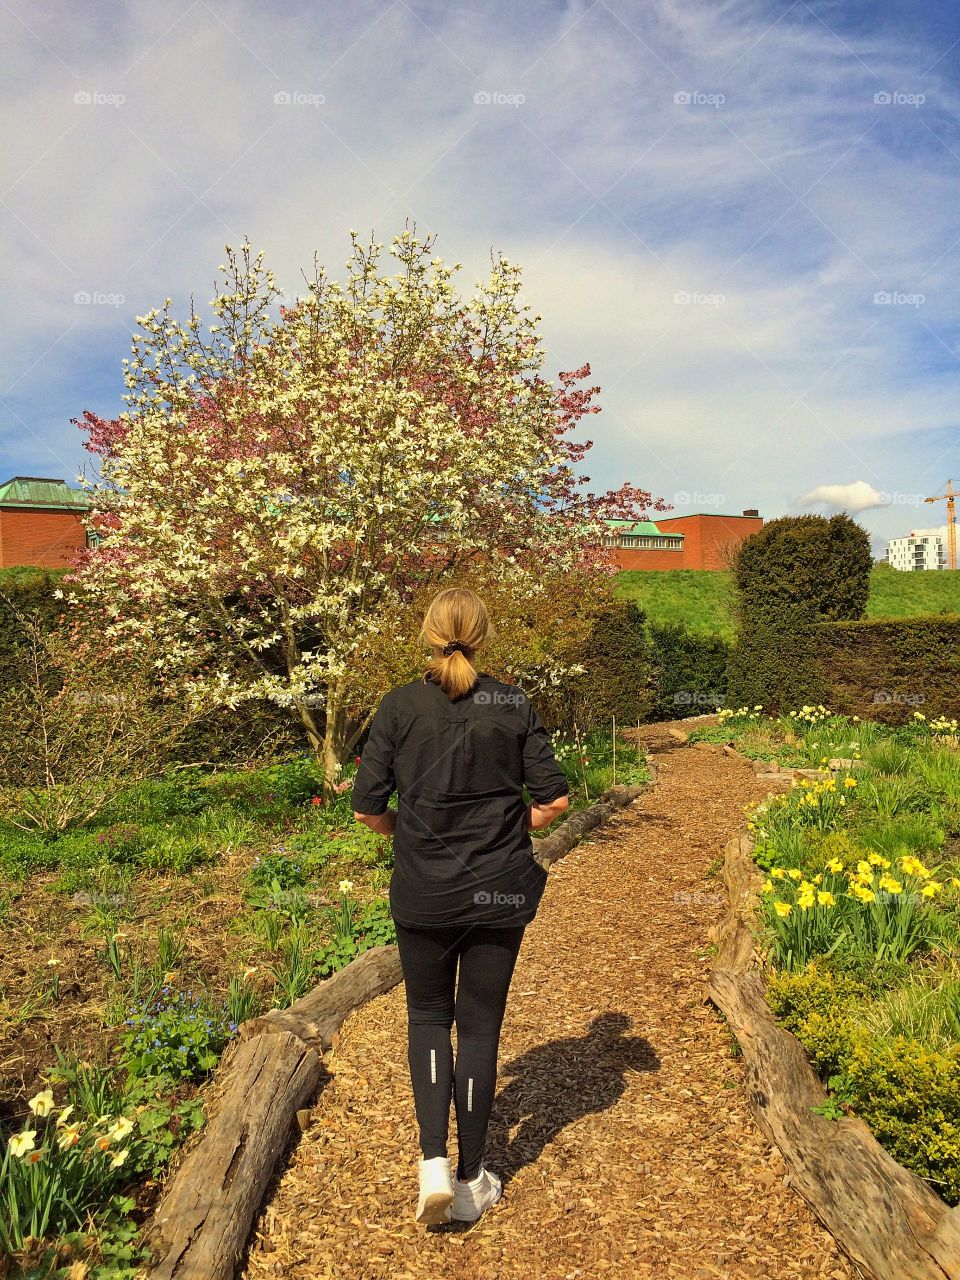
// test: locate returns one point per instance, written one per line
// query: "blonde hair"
(455, 615)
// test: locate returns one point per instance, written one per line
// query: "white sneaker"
(471, 1198)
(436, 1191)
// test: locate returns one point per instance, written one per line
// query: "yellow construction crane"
(951, 523)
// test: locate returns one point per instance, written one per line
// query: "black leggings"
(476, 1002)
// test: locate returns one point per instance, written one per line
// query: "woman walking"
(458, 747)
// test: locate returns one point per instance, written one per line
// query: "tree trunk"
(334, 742)
(202, 1224)
(554, 847)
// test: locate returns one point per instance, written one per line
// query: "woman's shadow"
(557, 1083)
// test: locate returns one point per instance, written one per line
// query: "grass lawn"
(702, 599)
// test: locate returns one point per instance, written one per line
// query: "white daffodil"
(41, 1104)
(21, 1143)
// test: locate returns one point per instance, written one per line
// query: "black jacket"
(462, 851)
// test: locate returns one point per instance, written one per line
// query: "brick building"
(40, 524)
(699, 541)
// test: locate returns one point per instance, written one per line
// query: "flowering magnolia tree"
(287, 480)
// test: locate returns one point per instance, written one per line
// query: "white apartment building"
(923, 552)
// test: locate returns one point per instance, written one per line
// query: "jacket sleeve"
(374, 782)
(543, 777)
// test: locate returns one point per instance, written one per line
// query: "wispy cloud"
(741, 214)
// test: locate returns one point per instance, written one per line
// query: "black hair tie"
(455, 646)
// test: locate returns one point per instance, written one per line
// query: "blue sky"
(744, 215)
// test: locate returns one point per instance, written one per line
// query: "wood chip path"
(621, 1129)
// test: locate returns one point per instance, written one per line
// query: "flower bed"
(859, 920)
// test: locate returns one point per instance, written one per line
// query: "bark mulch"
(621, 1128)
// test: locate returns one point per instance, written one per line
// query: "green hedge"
(885, 669)
(619, 677)
(690, 669)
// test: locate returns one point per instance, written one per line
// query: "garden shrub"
(619, 677)
(790, 575)
(690, 669)
(909, 1095)
(820, 1008)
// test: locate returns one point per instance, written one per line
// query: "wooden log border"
(266, 1082)
(886, 1218)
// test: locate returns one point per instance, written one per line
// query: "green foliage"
(176, 1038)
(909, 1095)
(774, 662)
(64, 1170)
(690, 669)
(618, 677)
(802, 565)
(821, 1009)
(885, 669)
(276, 869)
(270, 791)
(372, 927)
(789, 575)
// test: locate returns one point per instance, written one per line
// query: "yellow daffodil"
(767, 886)
(794, 874)
(782, 909)
(889, 885)
(930, 888)
(21, 1143)
(34, 1157)
(777, 873)
(103, 1143)
(826, 899)
(835, 865)
(346, 886)
(876, 860)
(864, 868)
(248, 972)
(849, 782)
(117, 1159)
(64, 1116)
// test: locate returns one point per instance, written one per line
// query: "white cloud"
(858, 496)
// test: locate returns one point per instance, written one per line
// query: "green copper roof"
(35, 491)
(646, 527)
